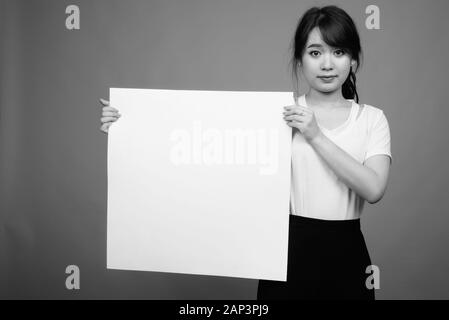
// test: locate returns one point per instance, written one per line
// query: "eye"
(312, 53)
(340, 52)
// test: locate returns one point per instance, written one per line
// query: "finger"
(108, 119)
(304, 108)
(296, 111)
(291, 124)
(290, 111)
(300, 115)
(293, 106)
(110, 109)
(104, 102)
(111, 114)
(105, 127)
(301, 112)
(294, 118)
(295, 125)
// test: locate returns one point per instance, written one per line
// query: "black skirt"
(327, 260)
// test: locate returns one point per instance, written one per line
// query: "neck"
(327, 100)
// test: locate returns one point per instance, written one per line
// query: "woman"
(340, 159)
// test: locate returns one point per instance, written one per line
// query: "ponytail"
(349, 88)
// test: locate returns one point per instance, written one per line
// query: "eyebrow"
(315, 45)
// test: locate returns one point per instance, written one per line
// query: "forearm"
(356, 176)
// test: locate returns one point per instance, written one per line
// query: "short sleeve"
(379, 140)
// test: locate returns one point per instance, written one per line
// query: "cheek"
(310, 63)
(310, 67)
(344, 66)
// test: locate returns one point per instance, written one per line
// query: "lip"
(327, 77)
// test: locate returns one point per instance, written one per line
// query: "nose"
(326, 63)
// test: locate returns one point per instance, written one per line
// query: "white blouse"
(316, 192)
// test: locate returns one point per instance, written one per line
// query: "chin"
(330, 88)
(326, 90)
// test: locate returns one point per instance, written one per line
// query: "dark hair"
(338, 30)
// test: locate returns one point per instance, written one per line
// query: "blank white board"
(199, 183)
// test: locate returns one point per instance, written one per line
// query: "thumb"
(104, 102)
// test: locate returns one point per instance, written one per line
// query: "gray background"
(53, 156)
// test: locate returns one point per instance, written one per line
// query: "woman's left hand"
(302, 118)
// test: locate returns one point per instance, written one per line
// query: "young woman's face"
(321, 60)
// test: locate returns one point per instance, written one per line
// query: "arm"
(369, 180)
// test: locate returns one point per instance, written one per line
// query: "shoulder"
(372, 113)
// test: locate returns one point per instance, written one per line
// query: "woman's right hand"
(109, 115)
